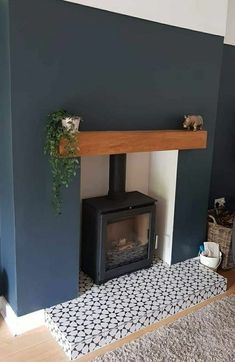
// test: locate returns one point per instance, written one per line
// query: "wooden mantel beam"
(93, 143)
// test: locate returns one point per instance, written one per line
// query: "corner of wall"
(8, 262)
(162, 186)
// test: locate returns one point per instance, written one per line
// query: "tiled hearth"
(106, 313)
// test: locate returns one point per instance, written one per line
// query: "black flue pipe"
(117, 176)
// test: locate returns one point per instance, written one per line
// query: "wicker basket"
(222, 236)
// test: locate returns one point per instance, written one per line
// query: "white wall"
(95, 174)
(162, 186)
(230, 29)
(137, 172)
(208, 16)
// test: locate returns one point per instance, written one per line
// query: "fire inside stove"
(127, 241)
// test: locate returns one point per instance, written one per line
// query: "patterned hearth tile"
(106, 313)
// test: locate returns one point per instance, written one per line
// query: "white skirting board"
(20, 325)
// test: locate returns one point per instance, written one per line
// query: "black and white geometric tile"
(106, 313)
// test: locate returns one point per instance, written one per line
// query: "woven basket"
(222, 236)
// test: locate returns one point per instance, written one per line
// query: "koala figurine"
(193, 121)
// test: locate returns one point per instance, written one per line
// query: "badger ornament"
(193, 121)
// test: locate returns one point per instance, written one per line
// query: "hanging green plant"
(61, 124)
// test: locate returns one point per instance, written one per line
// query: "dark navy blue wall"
(47, 246)
(7, 216)
(223, 174)
(119, 72)
(194, 167)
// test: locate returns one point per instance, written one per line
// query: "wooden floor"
(39, 345)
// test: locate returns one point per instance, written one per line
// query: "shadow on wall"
(223, 171)
(4, 283)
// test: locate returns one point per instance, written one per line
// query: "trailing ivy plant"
(63, 169)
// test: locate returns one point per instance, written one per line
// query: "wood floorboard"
(39, 346)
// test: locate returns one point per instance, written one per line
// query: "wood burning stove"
(118, 230)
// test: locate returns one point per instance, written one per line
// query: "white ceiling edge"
(230, 30)
(208, 16)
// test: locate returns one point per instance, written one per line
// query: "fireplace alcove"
(105, 219)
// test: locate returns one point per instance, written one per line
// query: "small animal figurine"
(194, 122)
